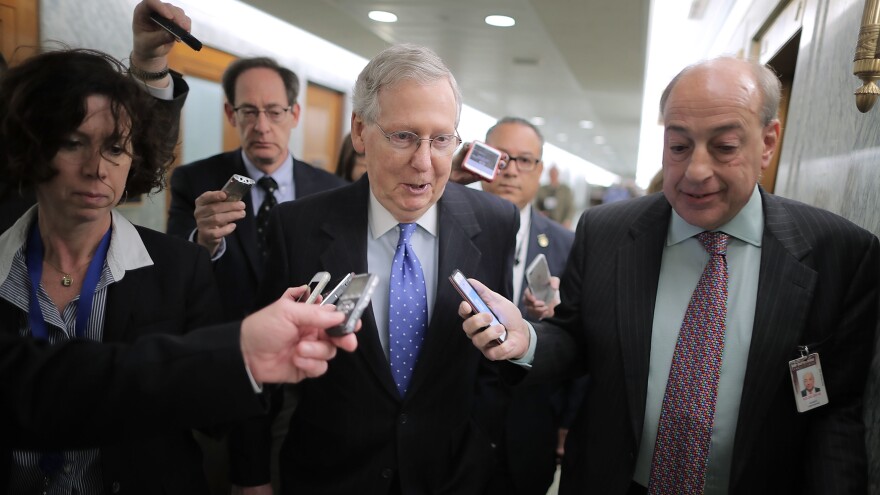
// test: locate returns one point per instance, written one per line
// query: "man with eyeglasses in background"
(531, 437)
(261, 105)
(398, 415)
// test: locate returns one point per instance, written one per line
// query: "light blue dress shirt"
(382, 235)
(683, 261)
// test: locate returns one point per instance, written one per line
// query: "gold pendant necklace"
(66, 279)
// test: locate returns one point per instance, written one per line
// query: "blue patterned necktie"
(407, 309)
(687, 415)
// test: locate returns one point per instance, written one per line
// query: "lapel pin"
(543, 240)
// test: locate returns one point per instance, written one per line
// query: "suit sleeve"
(250, 441)
(837, 460)
(158, 382)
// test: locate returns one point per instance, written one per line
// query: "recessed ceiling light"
(382, 16)
(586, 124)
(538, 120)
(500, 20)
(600, 140)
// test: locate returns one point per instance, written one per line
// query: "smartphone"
(237, 186)
(176, 31)
(482, 160)
(469, 294)
(353, 302)
(538, 277)
(333, 295)
(316, 285)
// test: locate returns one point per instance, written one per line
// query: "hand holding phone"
(538, 277)
(316, 285)
(482, 160)
(176, 31)
(469, 294)
(237, 186)
(353, 301)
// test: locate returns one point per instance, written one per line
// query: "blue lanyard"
(34, 263)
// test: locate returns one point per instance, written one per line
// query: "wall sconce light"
(866, 64)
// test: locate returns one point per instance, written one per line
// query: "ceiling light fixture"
(382, 16)
(500, 20)
(538, 120)
(586, 124)
(600, 140)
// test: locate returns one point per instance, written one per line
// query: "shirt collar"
(381, 220)
(283, 175)
(126, 251)
(747, 225)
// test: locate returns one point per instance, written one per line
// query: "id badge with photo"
(807, 381)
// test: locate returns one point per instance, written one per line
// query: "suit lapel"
(637, 274)
(785, 291)
(347, 228)
(458, 226)
(245, 234)
(120, 298)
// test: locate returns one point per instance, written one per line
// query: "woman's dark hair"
(347, 158)
(43, 100)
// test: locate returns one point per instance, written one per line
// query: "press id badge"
(807, 381)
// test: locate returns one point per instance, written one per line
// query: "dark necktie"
(269, 187)
(407, 309)
(688, 412)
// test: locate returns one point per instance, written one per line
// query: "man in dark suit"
(794, 276)
(384, 419)
(534, 417)
(261, 104)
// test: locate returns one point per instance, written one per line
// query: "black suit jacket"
(174, 295)
(535, 411)
(157, 382)
(351, 431)
(818, 286)
(240, 269)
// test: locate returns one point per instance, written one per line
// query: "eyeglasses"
(524, 163)
(250, 114)
(443, 144)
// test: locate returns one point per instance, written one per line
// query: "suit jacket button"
(115, 488)
(387, 473)
(402, 419)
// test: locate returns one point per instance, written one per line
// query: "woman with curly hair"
(78, 129)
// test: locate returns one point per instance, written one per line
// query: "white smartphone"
(538, 277)
(353, 302)
(482, 160)
(316, 285)
(478, 305)
(237, 186)
(333, 295)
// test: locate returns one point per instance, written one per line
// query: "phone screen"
(483, 159)
(474, 299)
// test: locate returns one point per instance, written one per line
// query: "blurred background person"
(351, 165)
(83, 134)
(261, 104)
(556, 200)
(532, 433)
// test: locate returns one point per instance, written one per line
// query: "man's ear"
(358, 127)
(771, 141)
(230, 113)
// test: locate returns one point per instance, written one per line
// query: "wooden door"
(322, 126)
(19, 27)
